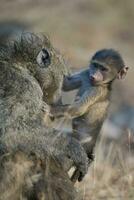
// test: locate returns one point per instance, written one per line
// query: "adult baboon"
(34, 158)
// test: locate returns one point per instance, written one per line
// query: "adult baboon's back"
(34, 157)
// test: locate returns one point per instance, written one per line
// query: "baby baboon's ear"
(122, 73)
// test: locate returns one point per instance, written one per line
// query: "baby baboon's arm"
(71, 82)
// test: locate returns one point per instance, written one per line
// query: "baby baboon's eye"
(104, 69)
(43, 58)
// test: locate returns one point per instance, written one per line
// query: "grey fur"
(34, 158)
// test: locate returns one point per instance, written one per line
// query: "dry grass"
(111, 176)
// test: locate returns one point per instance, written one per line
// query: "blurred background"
(78, 28)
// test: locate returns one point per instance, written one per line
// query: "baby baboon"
(92, 100)
(34, 158)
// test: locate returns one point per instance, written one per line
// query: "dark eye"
(95, 65)
(104, 69)
(101, 67)
(43, 58)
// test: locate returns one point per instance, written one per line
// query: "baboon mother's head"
(36, 54)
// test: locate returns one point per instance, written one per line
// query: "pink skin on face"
(96, 77)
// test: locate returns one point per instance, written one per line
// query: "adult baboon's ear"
(122, 73)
